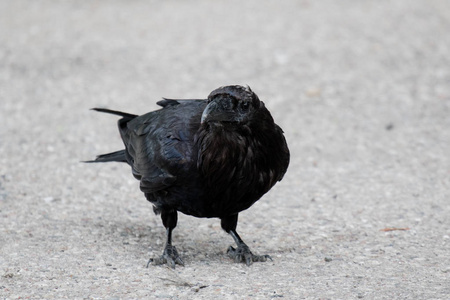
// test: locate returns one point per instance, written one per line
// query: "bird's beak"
(210, 110)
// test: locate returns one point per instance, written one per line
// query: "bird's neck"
(222, 154)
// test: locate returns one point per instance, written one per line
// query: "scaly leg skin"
(242, 253)
(170, 254)
(170, 257)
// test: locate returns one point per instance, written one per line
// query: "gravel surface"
(361, 88)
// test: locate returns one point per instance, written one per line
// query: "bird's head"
(232, 104)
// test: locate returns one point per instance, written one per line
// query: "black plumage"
(205, 158)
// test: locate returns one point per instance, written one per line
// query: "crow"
(210, 158)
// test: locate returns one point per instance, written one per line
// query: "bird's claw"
(170, 257)
(243, 254)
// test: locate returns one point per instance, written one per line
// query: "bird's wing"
(172, 102)
(159, 144)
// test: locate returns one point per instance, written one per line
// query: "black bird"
(209, 158)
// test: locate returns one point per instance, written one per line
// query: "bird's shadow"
(144, 240)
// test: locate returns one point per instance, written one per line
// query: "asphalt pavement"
(361, 89)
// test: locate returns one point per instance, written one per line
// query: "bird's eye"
(245, 105)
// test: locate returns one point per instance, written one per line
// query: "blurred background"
(361, 89)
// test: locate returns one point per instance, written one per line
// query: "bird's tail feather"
(118, 156)
(127, 116)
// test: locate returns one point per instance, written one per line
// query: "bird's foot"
(170, 257)
(244, 255)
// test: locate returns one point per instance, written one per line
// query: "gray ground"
(361, 88)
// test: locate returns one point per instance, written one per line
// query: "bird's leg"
(170, 254)
(242, 253)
